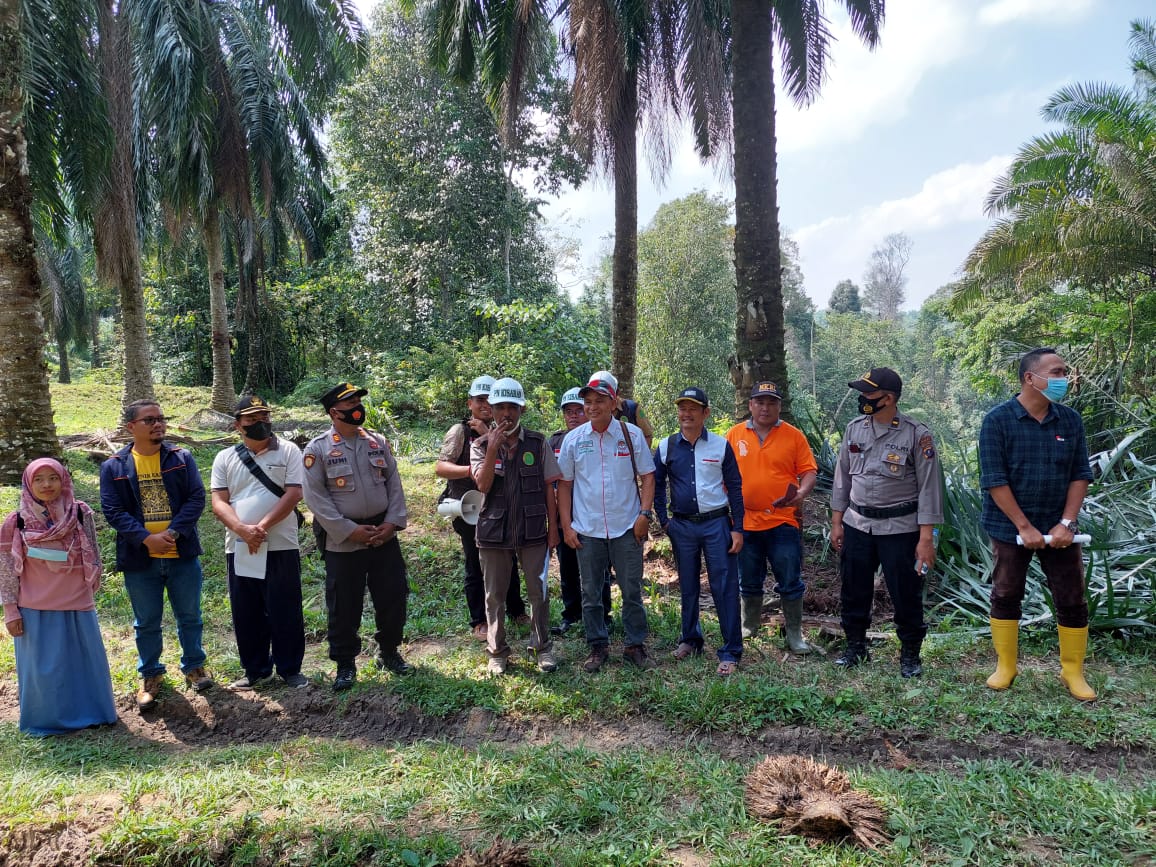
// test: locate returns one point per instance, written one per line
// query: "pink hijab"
(53, 522)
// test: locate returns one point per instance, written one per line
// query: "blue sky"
(907, 138)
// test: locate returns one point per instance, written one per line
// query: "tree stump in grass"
(814, 801)
(500, 854)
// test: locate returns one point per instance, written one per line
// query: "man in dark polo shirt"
(1034, 472)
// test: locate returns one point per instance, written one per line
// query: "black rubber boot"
(855, 654)
(910, 665)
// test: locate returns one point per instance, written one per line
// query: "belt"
(702, 517)
(889, 512)
(372, 521)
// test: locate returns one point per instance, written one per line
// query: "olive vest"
(527, 525)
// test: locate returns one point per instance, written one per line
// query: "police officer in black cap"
(353, 488)
(885, 503)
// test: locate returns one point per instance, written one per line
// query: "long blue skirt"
(63, 681)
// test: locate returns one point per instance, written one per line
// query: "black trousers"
(572, 585)
(475, 586)
(347, 575)
(862, 555)
(267, 618)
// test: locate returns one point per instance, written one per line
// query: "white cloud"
(838, 247)
(1006, 11)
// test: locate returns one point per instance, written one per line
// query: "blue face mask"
(1056, 390)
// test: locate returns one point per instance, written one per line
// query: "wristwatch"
(1071, 523)
(648, 514)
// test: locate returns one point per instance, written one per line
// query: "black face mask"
(353, 415)
(868, 406)
(261, 430)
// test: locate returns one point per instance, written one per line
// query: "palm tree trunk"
(64, 372)
(26, 429)
(624, 305)
(224, 397)
(759, 330)
(115, 234)
(94, 328)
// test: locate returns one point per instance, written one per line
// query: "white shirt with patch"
(605, 503)
(250, 499)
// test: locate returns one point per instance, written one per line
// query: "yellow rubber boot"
(1073, 649)
(1005, 637)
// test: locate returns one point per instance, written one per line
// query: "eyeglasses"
(151, 420)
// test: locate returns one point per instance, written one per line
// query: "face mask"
(261, 430)
(354, 415)
(868, 406)
(1056, 390)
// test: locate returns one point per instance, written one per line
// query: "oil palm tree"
(799, 28)
(635, 62)
(26, 427)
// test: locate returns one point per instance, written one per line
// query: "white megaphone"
(467, 508)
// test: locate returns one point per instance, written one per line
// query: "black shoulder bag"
(259, 474)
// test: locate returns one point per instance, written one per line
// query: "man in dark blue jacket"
(152, 495)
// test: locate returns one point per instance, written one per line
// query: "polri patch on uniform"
(340, 482)
(336, 453)
(528, 459)
(337, 438)
(310, 460)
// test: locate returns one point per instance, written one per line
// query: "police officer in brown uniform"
(885, 503)
(354, 491)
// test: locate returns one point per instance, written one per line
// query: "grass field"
(614, 769)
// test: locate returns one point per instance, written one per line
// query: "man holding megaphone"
(453, 465)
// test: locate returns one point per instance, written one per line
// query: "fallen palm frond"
(814, 801)
(500, 854)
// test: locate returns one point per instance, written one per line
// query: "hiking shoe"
(481, 632)
(910, 665)
(855, 654)
(198, 679)
(346, 677)
(597, 658)
(296, 681)
(636, 655)
(146, 697)
(546, 661)
(390, 660)
(247, 682)
(496, 665)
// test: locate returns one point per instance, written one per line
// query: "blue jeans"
(783, 546)
(146, 590)
(712, 539)
(594, 558)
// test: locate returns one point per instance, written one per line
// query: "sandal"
(685, 650)
(726, 668)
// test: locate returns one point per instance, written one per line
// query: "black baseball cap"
(766, 389)
(339, 392)
(878, 379)
(248, 404)
(694, 394)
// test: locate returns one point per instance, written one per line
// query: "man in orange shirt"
(778, 471)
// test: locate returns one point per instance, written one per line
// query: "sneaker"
(198, 679)
(390, 660)
(546, 661)
(496, 665)
(597, 658)
(296, 681)
(146, 697)
(855, 654)
(346, 677)
(481, 632)
(910, 665)
(247, 682)
(636, 655)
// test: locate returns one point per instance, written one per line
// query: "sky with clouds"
(907, 138)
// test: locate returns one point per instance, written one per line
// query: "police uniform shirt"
(884, 465)
(353, 478)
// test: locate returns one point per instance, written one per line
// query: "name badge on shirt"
(53, 554)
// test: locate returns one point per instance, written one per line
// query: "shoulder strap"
(259, 474)
(633, 465)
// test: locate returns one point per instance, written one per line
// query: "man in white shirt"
(605, 516)
(256, 487)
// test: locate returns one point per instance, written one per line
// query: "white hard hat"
(507, 390)
(481, 385)
(572, 396)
